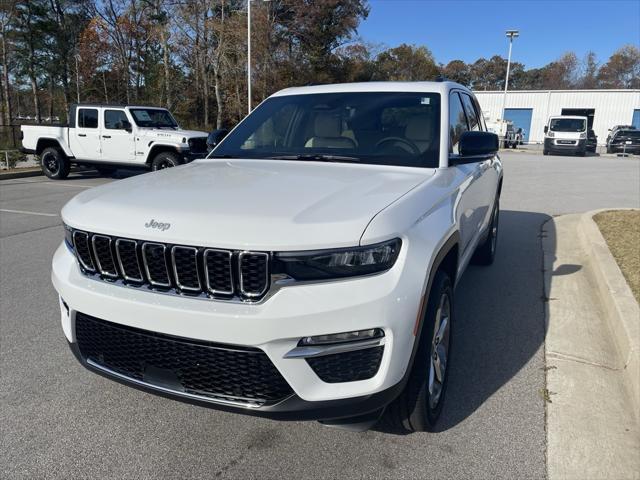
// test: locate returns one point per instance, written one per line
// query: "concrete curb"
(28, 173)
(621, 307)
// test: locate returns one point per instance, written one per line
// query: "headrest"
(419, 127)
(327, 124)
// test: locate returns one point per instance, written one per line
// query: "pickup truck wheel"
(486, 252)
(419, 405)
(165, 160)
(54, 164)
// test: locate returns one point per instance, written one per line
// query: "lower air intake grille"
(219, 372)
(348, 366)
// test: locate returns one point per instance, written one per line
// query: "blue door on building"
(521, 118)
(636, 119)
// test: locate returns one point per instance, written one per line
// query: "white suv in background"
(307, 270)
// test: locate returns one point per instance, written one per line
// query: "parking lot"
(59, 421)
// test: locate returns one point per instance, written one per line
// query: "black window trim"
(457, 93)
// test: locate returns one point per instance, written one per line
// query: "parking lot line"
(24, 212)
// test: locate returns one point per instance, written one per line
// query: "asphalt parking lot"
(57, 420)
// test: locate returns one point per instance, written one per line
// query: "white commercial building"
(530, 109)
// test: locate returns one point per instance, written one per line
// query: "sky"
(470, 29)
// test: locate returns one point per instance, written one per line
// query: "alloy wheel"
(439, 351)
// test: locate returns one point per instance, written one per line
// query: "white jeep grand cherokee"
(305, 270)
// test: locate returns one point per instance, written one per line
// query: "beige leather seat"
(419, 130)
(327, 133)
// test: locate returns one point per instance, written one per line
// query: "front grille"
(188, 270)
(347, 366)
(198, 145)
(218, 372)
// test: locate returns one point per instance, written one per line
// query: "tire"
(609, 150)
(55, 165)
(106, 171)
(545, 152)
(165, 160)
(485, 253)
(581, 153)
(415, 409)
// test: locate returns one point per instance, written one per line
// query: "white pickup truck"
(307, 270)
(111, 136)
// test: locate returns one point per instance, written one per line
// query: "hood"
(245, 204)
(173, 135)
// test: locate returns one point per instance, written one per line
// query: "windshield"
(628, 133)
(567, 125)
(385, 128)
(153, 117)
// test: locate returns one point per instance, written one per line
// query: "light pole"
(511, 34)
(249, 54)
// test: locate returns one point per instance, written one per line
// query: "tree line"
(190, 56)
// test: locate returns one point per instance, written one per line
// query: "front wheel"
(54, 164)
(419, 405)
(165, 160)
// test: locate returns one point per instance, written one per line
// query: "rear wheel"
(54, 163)
(165, 160)
(545, 152)
(485, 253)
(420, 403)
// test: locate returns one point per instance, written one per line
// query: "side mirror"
(475, 145)
(546, 129)
(126, 126)
(216, 137)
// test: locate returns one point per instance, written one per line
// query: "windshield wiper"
(317, 157)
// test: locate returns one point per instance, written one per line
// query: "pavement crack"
(573, 358)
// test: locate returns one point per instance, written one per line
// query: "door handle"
(82, 134)
(106, 136)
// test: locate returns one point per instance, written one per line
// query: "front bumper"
(619, 148)
(389, 301)
(551, 145)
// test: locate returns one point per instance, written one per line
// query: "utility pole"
(249, 54)
(511, 34)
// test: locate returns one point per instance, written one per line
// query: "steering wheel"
(403, 143)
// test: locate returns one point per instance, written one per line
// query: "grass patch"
(621, 230)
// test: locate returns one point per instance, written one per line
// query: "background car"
(624, 141)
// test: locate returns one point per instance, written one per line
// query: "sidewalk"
(592, 429)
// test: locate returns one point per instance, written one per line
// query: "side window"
(88, 118)
(470, 109)
(115, 119)
(457, 122)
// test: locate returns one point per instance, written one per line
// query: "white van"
(566, 134)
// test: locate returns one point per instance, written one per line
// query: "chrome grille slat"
(155, 264)
(254, 273)
(185, 268)
(105, 263)
(227, 275)
(218, 271)
(127, 253)
(83, 250)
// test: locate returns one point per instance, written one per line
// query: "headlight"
(68, 236)
(583, 136)
(338, 263)
(551, 134)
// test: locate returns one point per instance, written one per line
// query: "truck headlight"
(551, 134)
(583, 136)
(338, 263)
(68, 236)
